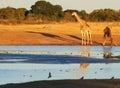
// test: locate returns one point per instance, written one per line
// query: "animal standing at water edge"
(107, 34)
(84, 29)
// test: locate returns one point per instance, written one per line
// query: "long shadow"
(58, 37)
(51, 35)
(48, 35)
(75, 37)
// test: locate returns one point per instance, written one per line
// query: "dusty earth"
(54, 34)
(106, 83)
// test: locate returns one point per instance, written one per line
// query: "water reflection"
(85, 52)
(17, 73)
(92, 51)
(57, 65)
(107, 51)
(84, 65)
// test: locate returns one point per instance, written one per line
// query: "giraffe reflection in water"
(82, 70)
(85, 52)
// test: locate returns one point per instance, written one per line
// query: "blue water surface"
(19, 64)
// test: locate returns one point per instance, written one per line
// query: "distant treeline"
(45, 12)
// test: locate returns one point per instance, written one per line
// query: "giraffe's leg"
(84, 38)
(87, 37)
(82, 33)
(90, 38)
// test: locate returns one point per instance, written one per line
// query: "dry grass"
(54, 34)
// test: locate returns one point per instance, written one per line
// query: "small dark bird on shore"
(49, 75)
(82, 78)
(112, 77)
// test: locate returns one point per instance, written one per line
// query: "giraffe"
(84, 29)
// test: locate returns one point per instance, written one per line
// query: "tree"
(47, 10)
(83, 14)
(20, 14)
(58, 11)
(7, 13)
(103, 15)
(42, 7)
(68, 15)
(118, 15)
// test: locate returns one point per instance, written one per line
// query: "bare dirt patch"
(54, 34)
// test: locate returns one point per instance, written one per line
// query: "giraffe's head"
(74, 13)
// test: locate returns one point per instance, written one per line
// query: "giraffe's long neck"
(79, 19)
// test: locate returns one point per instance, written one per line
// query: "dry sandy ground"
(109, 83)
(54, 34)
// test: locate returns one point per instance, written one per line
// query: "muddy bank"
(106, 83)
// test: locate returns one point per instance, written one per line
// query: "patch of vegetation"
(45, 12)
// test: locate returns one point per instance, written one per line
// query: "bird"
(112, 77)
(82, 78)
(49, 75)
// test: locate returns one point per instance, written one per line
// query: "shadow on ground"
(76, 41)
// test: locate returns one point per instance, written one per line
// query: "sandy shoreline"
(92, 83)
(54, 34)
